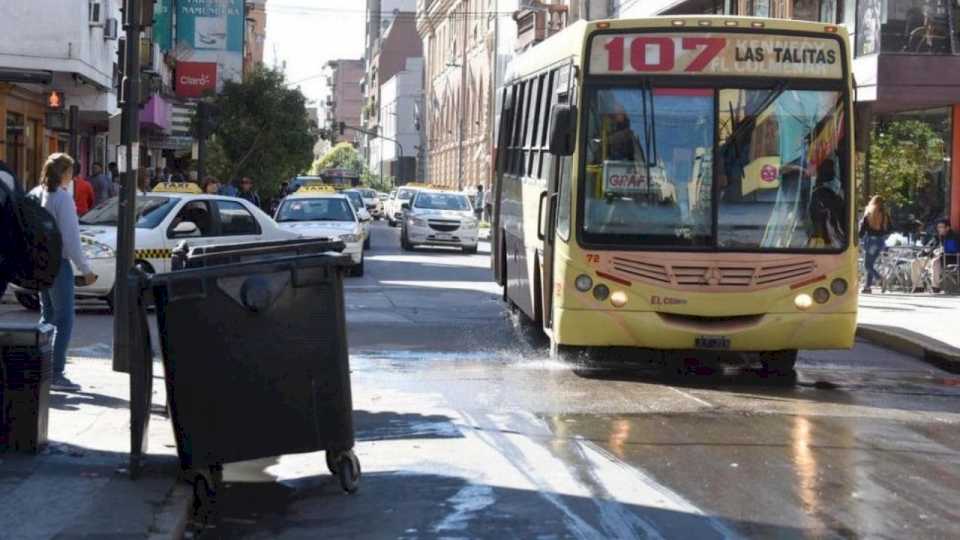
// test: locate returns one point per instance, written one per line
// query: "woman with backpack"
(57, 302)
(874, 229)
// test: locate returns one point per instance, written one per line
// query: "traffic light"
(208, 119)
(343, 127)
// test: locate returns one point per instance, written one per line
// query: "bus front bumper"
(651, 330)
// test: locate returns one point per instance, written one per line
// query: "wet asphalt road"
(466, 429)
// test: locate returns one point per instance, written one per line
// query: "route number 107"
(709, 48)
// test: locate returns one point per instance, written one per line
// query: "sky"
(305, 34)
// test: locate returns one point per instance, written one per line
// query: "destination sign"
(716, 54)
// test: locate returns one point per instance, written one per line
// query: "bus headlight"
(618, 299)
(821, 295)
(583, 283)
(803, 301)
(838, 286)
(601, 292)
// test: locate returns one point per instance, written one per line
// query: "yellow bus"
(680, 184)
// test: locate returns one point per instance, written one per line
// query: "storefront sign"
(212, 31)
(716, 54)
(195, 78)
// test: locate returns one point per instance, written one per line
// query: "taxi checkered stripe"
(153, 253)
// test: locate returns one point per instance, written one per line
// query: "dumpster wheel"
(346, 467)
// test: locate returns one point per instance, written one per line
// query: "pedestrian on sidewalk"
(874, 228)
(103, 186)
(83, 195)
(211, 186)
(56, 303)
(944, 244)
(9, 188)
(247, 192)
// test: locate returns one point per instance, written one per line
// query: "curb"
(171, 522)
(910, 343)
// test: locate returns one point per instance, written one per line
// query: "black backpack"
(32, 247)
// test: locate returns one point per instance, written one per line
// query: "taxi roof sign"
(177, 187)
(317, 188)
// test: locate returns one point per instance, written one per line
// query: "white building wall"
(398, 109)
(56, 35)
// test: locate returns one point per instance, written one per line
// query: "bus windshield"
(652, 178)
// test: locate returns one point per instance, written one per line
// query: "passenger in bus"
(827, 207)
(621, 139)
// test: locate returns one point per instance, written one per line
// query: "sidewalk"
(79, 486)
(923, 325)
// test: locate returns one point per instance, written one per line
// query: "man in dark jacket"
(943, 248)
(8, 189)
(247, 192)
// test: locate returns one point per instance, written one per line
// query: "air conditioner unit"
(96, 14)
(110, 29)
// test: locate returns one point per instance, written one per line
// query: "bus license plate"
(712, 342)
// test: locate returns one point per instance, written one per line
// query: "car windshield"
(406, 194)
(368, 193)
(649, 168)
(355, 198)
(323, 209)
(150, 212)
(441, 201)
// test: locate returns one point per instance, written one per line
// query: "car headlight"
(470, 223)
(417, 222)
(349, 238)
(96, 250)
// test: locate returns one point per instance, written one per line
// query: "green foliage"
(341, 156)
(903, 158)
(263, 132)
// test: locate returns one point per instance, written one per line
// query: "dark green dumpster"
(26, 370)
(256, 365)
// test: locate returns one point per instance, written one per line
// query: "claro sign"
(195, 78)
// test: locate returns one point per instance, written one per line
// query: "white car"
(371, 202)
(394, 206)
(324, 214)
(361, 208)
(170, 214)
(439, 218)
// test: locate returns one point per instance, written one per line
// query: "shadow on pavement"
(398, 504)
(388, 426)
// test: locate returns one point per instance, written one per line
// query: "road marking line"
(691, 396)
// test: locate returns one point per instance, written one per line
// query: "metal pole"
(463, 101)
(75, 133)
(202, 123)
(129, 138)
(492, 87)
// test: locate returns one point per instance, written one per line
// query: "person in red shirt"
(82, 192)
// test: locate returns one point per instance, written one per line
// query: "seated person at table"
(939, 251)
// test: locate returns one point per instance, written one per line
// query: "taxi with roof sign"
(170, 214)
(393, 207)
(322, 212)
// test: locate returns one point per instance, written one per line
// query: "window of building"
(758, 8)
(912, 26)
(806, 10)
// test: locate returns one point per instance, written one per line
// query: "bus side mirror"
(563, 124)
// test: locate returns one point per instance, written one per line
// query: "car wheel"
(405, 244)
(357, 269)
(29, 301)
(366, 243)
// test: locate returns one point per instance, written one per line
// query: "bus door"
(563, 93)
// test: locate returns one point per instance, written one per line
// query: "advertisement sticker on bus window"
(630, 178)
(716, 54)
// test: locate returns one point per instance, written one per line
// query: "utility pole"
(492, 87)
(463, 99)
(75, 133)
(130, 141)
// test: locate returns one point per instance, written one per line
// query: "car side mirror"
(185, 228)
(405, 206)
(563, 121)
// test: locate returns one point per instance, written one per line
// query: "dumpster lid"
(21, 334)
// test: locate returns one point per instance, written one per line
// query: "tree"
(345, 156)
(903, 159)
(263, 131)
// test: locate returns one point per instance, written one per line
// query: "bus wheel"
(779, 363)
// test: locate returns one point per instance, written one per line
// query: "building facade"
(255, 34)
(907, 68)
(400, 101)
(397, 43)
(344, 102)
(466, 46)
(72, 54)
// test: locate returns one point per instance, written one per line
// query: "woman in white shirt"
(57, 302)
